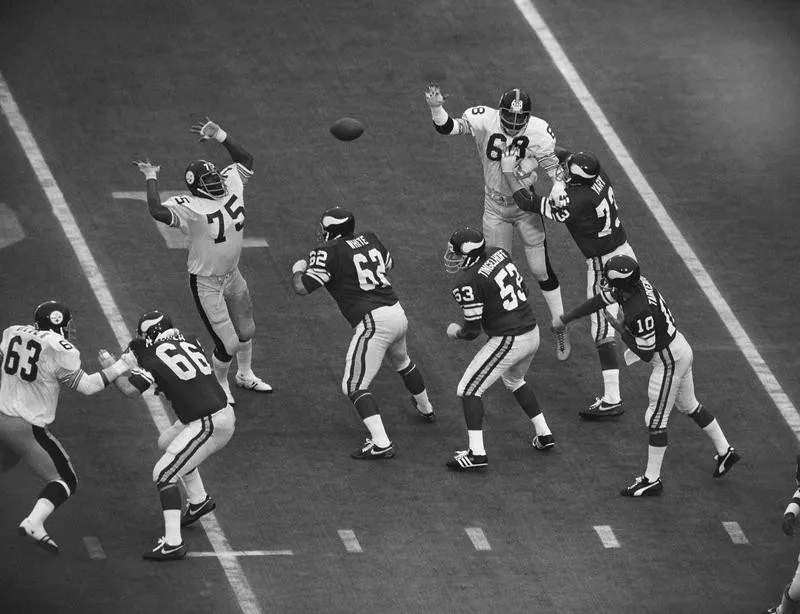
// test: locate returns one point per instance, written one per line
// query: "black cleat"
(544, 442)
(429, 417)
(465, 460)
(37, 534)
(725, 462)
(193, 513)
(642, 487)
(600, 410)
(370, 451)
(165, 552)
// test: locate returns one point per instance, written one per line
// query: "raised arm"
(443, 123)
(158, 211)
(210, 130)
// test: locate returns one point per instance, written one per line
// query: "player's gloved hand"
(209, 130)
(300, 266)
(106, 358)
(508, 160)
(558, 195)
(434, 96)
(129, 358)
(147, 168)
(453, 330)
(788, 524)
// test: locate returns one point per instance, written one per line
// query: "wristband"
(114, 371)
(439, 115)
(220, 136)
(151, 175)
(105, 379)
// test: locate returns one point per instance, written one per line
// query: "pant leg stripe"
(602, 324)
(56, 452)
(488, 366)
(182, 457)
(666, 387)
(358, 362)
(218, 344)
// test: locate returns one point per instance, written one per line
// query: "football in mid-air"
(347, 129)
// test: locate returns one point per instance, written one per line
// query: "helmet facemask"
(204, 179)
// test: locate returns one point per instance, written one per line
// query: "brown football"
(347, 129)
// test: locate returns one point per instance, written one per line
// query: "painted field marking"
(62, 212)
(11, 230)
(173, 237)
(236, 553)
(478, 538)
(606, 535)
(94, 548)
(349, 540)
(735, 532)
(662, 217)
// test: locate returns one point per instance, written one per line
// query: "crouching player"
(176, 364)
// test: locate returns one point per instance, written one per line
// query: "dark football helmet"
(54, 316)
(336, 222)
(465, 248)
(582, 167)
(152, 324)
(203, 179)
(515, 110)
(621, 273)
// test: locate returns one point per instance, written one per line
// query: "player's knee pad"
(221, 354)
(512, 384)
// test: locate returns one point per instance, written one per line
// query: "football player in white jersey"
(35, 361)
(495, 130)
(213, 217)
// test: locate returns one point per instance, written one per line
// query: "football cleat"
(465, 460)
(725, 462)
(371, 451)
(600, 409)
(193, 513)
(642, 487)
(252, 383)
(544, 442)
(428, 417)
(37, 534)
(563, 347)
(771, 610)
(165, 552)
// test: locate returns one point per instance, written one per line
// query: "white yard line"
(235, 553)
(238, 581)
(669, 228)
(606, 535)
(735, 532)
(350, 540)
(478, 538)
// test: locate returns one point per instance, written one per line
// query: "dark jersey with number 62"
(179, 368)
(494, 293)
(353, 269)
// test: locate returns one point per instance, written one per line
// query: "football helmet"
(621, 273)
(152, 324)
(515, 110)
(336, 222)
(582, 167)
(55, 316)
(203, 179)
(465, 248)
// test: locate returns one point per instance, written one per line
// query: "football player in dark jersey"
(589, 211)
(352, 267)
(648, 329)
(177, 366)
(790, 597)
(493, 297)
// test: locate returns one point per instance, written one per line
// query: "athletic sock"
(540, 425)
(377, 431)
(193, 484)
(41, 511)
(244, 359)
(554, 302)
(476, 443)
(611, 386)
(172, 527)
(221, 371)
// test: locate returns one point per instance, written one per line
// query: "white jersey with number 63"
(34, 365)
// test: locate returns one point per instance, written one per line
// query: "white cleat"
(253, 383)
(39, 535)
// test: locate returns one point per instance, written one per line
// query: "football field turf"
(703, 98)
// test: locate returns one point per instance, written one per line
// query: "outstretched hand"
(147, 168)
(206, 129)
(106, 358)
(434, 96)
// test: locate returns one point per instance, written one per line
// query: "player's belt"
(500, 199)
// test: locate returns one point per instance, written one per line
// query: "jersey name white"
(215, 227)
(537, 142)
(34, 364)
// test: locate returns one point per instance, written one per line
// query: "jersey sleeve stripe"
(71, 380)
(321, 276)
